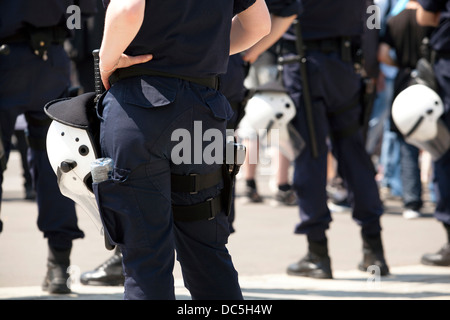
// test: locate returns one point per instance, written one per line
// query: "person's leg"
(250, 168)
(411, 182)
(442, 170)
(309, 183)
(285, 195)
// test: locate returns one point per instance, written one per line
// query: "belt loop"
(213, 207)
(195, 183)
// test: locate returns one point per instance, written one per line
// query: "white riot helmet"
(72, 147)
(416, 112)
(270, 107)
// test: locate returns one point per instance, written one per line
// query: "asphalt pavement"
(262, 247)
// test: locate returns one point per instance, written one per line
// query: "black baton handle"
(99, 88)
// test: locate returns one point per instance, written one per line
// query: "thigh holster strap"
(202, 211)
(194, 183)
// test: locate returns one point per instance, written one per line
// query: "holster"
(194, 183)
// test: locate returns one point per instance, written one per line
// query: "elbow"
(426, 18)
(266, 28)
(263, 29)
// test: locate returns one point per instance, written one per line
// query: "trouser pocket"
(120, 213)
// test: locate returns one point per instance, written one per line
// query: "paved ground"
(262, 247)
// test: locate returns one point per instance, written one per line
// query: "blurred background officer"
(282, 13)
(263, 69)
(35, 71)
(436, 13)
(166, 80)
(330, 107)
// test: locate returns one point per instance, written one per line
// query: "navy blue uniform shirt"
(440, 39)
(174, 53)
(319, 21)
(14, 15)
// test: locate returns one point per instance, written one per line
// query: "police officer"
(35, 71)
(436, 13)
(232, 87)
(283, 12)
(327, 94)
(159, 62)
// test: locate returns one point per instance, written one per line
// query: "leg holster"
(193, 183)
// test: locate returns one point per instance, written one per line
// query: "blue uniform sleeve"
(241, 5)
(433, 5)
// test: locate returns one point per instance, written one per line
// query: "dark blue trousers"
(442, 166)
(140, 121)
(27, 83)
(334, 86)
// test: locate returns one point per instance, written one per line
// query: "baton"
(306, 92)
(99, 88)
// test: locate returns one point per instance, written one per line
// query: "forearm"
(427, 18)
(122, 22)
(249, 27)
(384, 56)
(279, 26)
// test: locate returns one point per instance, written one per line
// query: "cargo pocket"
(150, 92)
(119, 212)
(219, 106)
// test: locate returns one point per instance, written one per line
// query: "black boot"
(109, 273)
(316, 263)
(373, 254)
(56, 278)
(442, 257)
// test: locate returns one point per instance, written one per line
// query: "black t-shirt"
(322, 19)
(405, 36)
(187, 38)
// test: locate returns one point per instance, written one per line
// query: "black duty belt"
(39, 39)
(57, 35)
(342, 45)
(135, 71)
